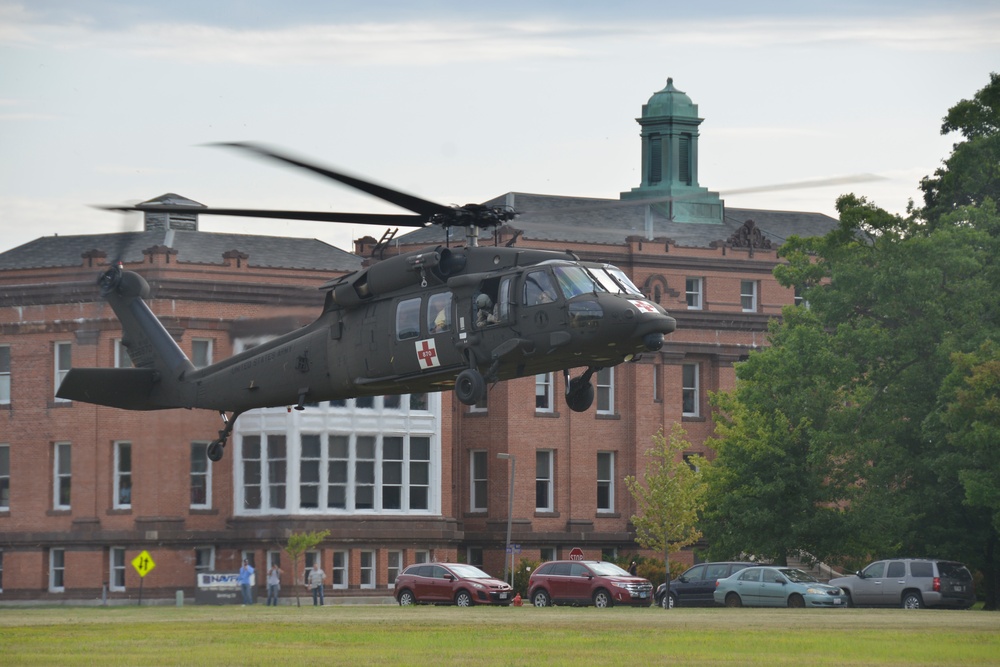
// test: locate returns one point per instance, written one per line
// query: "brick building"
(84, 489)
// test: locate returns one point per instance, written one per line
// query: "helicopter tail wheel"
(470, 387)
(580, 396)
(216, 449)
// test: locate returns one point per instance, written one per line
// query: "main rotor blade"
(401, 220)
(409, 202)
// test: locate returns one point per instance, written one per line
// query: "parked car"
(696, 587)
(587, 582)
(910, 583)
(774, 586)
(450, 583)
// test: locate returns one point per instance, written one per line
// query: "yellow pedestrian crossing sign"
(143, 563)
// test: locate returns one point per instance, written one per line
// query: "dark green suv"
(911, 583)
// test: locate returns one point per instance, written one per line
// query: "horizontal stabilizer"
(126, 388)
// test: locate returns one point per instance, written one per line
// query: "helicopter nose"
(653, 341)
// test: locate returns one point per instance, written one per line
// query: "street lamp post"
(510, 514)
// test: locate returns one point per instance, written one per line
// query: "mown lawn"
(389, 635)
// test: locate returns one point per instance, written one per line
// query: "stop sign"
(576, 554)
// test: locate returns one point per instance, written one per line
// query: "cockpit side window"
(439, 313)
(408, 319)
(574, 281)
(539, 288)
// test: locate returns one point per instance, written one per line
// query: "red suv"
(587, 582)
(450, 583)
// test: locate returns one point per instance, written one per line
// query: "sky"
(115, 101)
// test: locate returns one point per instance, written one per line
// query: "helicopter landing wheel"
(580, 396)
(216, 449)
(470, 387)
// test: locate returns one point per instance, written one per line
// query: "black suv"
(697, 585)
(910, 583)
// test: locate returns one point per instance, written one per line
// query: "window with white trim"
(605, 385)
(543, 393)
(690, 391)
(122, 360)
(264, 472)
(339, 570)
(474, 556)
(63, 353)
(4, 374)
(57, 570)
(656, 382)
(421, 556)
(201, 476)
(123, 476)
(367, 568)
(543, 480)
(4, 478)
(477, 480)
(694, 293)
(605, 481)
(62, 466)
(116, 569)
(748, 296)
(201, 352)
(204, 560)
(393, 565)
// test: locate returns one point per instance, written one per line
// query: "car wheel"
(406, 598)
(912, 600)
(602, 599)
(668, 601)
(463, 599)
(796, 602)
(540, 599)
(733, 600)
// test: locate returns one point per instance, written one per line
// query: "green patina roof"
(670, 102)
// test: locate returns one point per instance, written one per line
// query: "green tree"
(670, 496)
(298, 544)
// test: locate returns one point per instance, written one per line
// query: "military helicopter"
(422, 321)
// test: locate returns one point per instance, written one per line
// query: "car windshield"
(798, 576)
(468, 572)
(608, 570)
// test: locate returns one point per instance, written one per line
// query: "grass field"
(390, 635)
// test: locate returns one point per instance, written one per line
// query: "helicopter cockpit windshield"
(574, 281)
(614, 280)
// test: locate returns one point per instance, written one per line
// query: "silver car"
(910, 583)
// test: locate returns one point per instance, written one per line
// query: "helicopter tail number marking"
(427, 354)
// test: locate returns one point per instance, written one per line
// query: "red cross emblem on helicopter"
(427, 354)
(643, 306)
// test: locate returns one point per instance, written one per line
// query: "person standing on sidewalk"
(273, 584)
(316, 578)
(246, 574)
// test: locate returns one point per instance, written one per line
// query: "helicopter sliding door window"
(543, 393)
(201, 476)
(543, 480)
(439, 313)
(62, 466)
(689, 392)
(605, 391)
(63, 353)
(408, 319)
(694, 291)
(123, 476)
(4, 374)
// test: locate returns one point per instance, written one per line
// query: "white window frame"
(544, 468)
(604, 382)
(62, 451)
(62, 353)
(691, 390)
(122, 359)
(57, 570)
(421, 556)
(544, 392)
(122, 478)
(607, 482)
(209, 349)
(5, 374)
(116, 569)
(367, 568)
(206, 474)
(748, 296)
(478, 485)
(694, 290)
(273, 488)
(656, 383)
(393, 565)
(339, 572)
(200, 553)
(4, 477)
